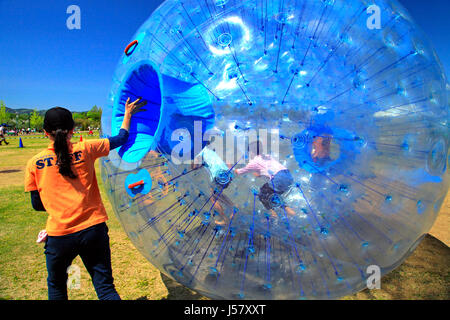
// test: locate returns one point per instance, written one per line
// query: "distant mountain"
(24, 111)
(28, 111)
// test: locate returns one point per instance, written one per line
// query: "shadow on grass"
(424, 275)
(176, 291)
(10, 171)
(179, 292)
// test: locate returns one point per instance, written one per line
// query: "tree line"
(35, 119)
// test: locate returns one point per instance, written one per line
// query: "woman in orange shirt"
(62, 181)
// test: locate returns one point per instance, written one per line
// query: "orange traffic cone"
(81, 138)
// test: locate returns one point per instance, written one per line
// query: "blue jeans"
(282, 181)
(270, 192)
(92, 244)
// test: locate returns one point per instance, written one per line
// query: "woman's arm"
(36, 201)
(119, 140)
(130, 110)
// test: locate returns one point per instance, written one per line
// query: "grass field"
(424, 275)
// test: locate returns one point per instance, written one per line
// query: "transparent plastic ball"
(347, 106)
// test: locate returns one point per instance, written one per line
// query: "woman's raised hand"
(135, 106)
(131, 109)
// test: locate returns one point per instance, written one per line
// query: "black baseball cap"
(58, 118)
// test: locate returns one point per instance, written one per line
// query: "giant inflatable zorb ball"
(347, 100)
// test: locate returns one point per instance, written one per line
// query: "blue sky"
(43, 64)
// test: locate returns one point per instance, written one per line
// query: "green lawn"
(424, 275)
(22, 261)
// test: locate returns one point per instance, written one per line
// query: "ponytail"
(63, 158)
(58, 122)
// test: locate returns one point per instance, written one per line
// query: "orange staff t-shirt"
(72, 204)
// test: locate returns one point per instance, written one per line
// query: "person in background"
(2, 136)
(320, 149)
(62, 181)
